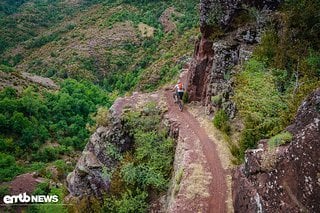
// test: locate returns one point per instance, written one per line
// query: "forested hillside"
(112, 43)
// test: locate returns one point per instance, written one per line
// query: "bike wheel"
(180, 106)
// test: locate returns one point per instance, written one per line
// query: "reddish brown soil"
(24, 183)
(218, 187)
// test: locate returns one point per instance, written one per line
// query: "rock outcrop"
(222, 46)
(21, 80)
(90, 176)
(93, 171)
(285, 178)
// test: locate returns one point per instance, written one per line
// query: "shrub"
(8, 167)
(221, 121)
(129, 202)
(42, 189)
(280, 139)
(147, 166)
(185, 97)
(260, 104)
(6, 69)
(100, 118)
(47, 154)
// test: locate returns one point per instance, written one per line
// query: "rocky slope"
(21, 80)
(285, 178)
(226, 42)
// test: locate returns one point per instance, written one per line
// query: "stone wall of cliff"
(225, 43)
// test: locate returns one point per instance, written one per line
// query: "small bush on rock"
(221, 121)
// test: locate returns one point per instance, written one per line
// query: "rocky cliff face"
(92, 174)
(224, 44)
(285, 178)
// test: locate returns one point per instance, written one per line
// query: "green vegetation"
(283, 71)
(145, 171)
(41, 126)
(216, 100)
(185, 97)
(34, 16)
(45, 189)
(260, 104)
(280, 139)
(221, 121)
(8, 167)
(4, 190)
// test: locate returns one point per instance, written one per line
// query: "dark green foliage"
(260, 104)
(42, 40)
(221, 121)
(129, 202)
(42, 189)
(5, 68)
(8, 167)
(147, 168)
(313, 63)
(30, 119)
(4, 190)
(185, 97)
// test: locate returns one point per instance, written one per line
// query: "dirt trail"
(191, 130)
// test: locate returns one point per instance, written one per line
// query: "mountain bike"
(178, 101)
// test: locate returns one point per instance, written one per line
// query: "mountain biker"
(179, 90)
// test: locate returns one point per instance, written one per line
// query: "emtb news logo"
(24, 198)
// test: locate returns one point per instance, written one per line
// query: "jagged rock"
(215, 61)
(216, 12)
(291, 183)
(221, 12)
(91, 175)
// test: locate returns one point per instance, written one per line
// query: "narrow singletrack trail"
(190, 129)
